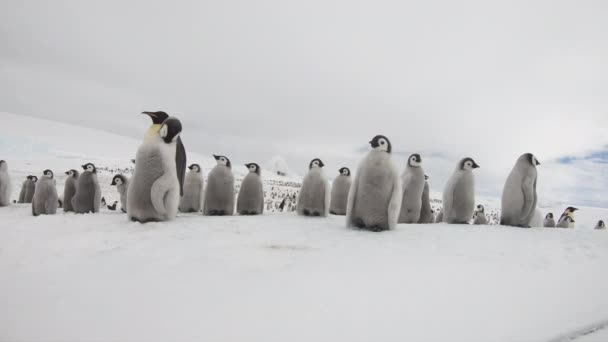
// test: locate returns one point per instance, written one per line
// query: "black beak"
(67, 172)
(537, 162)
(84, 167)
(216, 157)
(475, 165)
(190, 167)
(151, 114)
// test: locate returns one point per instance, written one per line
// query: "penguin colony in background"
(377, 199)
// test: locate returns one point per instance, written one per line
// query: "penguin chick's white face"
(315, 163)
(468, 164)
(344, 171)
(415, 160)
(117, 180)
(89, 167)
(381, 143)
(170, 130)
(253, 167)
(222, 160)
(195, 168)
(48, 174)
(480, 208)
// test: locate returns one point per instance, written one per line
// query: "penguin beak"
(84, 167)
(537, 162)
(150, 114)
(67, 172)
(216, 157)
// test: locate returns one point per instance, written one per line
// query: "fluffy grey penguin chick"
(339, 192)
(192, 200)
(314, 195)
(45, 201)
(251, 195)
(413, 186)
(219, 196)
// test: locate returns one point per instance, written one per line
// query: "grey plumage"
(122, 185)
(153, 192)
(314, 195)
(459, 193)
(45, 201)
(251, 196)
(566, 222)
(549, 221)
(412, 181)
(192, 200)
(519, 196)
(374, 199)
(87, 198)
(27, 189)
(5, 185)
(480, 216)
(219, 196)
(426, 212)
(339, 192)
(69, 190)
(439, 218)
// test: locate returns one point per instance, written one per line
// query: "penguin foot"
(316, 213)
(376, 229)
(333, 212)
(212, 212)
(221, 212)
(358, 222)
(306, 212)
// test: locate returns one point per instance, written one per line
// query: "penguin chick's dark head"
(48, 173)
(195, 168)
(118, 180)
(549, 216)
(253, 167)
(600, 223)
(381, 143)
(34, 178)
(170, 130)
(89, 167)
(222, 160)
(532, 159)
(157, 117)
(315, 163)
(468, 164)
(480, 208)
(344, 171)
(72, 173)
(414, 160)
(426, 177)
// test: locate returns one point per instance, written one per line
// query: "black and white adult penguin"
(219, 196)
(315, 193)
(87, 198)
(5, 185)
(121, 182)
(519, 196)
(375, 196)
(339, 192)
(192, 200)
(567, 218)
(426, 212)
(480, 216)
(45, 201)
(69, 190)
(413, 182)
(459, 193)
(251, 196)
(180, 154)
(549, 221)
(27, 189)
(153, 193)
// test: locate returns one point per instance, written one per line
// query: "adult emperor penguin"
(192, 200)
(480, 215)
(375, 196)
(180, 155)
(251, 195)
(567, 218)
(412, 181)
(459, 193)
(314, 196)
(339, 192)
(519, 195)
(600, 225)
(27, 189)
(219, 196)
(87, 198)
(122, 184)
(45, 201)
(69, 190)
(153, 192)
(426, 212)
(549, 221)
(5, 185)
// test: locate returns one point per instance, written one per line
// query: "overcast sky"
(319, 78)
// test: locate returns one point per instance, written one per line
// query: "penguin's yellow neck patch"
(151, 132)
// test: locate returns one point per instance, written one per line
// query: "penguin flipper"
(327, 198)
(528, 188)
(97, 199)
(180, 164)
(350, 204)
(394, 205)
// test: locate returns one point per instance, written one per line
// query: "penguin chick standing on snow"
(480, 216)
(375, 196)
(153, 192)
(192, 200)
(549, 221)
(459, 193)
(219, 197)
(439, 218)
(87, 198)
(519, 195)
(122, 184)
(339, 192)
(180, 152)
(426, 212)
(45, 201)
(69, 190)
(412, 181)
(27, 189)
(251, 195)
(5, 185)
(600, 225)
(567, 218)
(314, 195)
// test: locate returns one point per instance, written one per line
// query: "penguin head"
(33, 178)
(118, 180)
(570, 219)
(157, 117)
(72, 173)
(426, 177)
(468, 164)
(570, 210)
(600, 223)
(529, 157)
(414, 160)
(3, 165)
(133, 161)
(253, 167)
(344, 171)
(170, 130)
(48, 174)
(194, 168)
(480, 208)
(222, 160)
(549, 216)
(381, 143)
(316, 163)
(89, 167)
